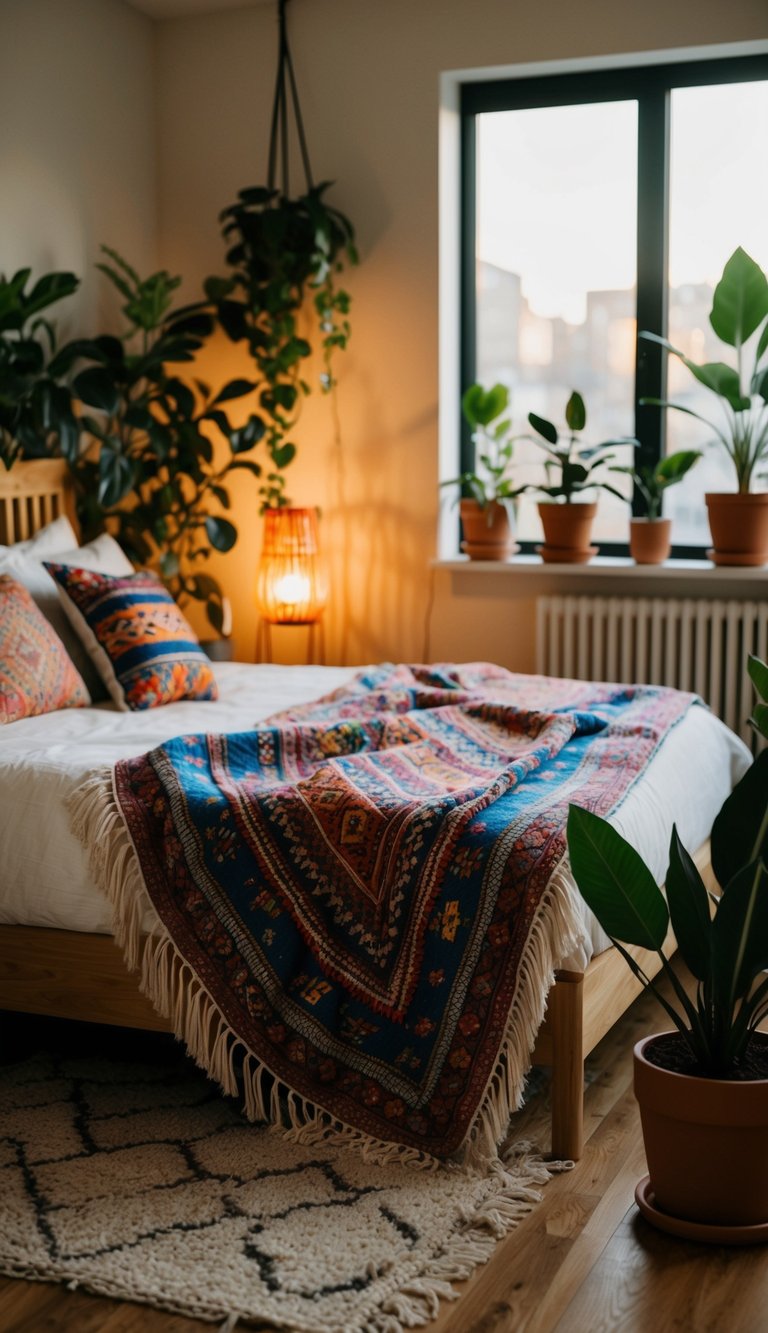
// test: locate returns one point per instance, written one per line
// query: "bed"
(57, 956)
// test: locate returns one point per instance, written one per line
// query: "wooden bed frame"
(74, 975)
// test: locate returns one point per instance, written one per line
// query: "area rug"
(143, 1182)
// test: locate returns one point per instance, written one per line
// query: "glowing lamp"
(290, 588)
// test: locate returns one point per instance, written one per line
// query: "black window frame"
(651, 87)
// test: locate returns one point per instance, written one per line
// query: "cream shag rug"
(142, 1182)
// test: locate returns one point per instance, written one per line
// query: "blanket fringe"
(176, 993)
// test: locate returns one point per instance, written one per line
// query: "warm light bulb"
(291, 589)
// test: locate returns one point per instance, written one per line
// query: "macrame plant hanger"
(279, 131)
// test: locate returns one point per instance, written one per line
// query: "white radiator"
(694, 644)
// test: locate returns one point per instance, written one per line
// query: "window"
(594, 205)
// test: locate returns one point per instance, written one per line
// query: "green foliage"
(653, 481)
(36, 416)
(485, 412)
(723, 941)
(739, 310)
(283, 255)
(159, 449)
(573, 464)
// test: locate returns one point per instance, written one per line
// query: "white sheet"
(44, 879)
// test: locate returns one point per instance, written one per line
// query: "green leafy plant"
(651, 482)
(36, 414)
(159, 449)
(723, 940)
(284, 254)
(574, 464)
(739, 312)
(485, 411)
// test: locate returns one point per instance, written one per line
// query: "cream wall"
(368, 74)
(77, 143)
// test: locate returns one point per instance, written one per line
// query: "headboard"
(31, 495)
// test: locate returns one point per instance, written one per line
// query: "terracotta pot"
(706, 1140)
(650, 540)
(487, 530)
(739, 526)
(567, 531)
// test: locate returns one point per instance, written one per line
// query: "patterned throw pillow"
(36, 676)
(146, 652)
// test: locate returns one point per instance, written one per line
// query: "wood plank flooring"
(583, 1260)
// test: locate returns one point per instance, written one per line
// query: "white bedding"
(44, 880)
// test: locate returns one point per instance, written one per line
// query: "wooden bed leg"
(565, 1017)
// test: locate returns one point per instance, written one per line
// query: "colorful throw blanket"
(360, 899)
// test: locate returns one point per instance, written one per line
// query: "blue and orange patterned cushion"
(144, 648)
(36, 675)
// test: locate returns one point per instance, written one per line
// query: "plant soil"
(671, 1052)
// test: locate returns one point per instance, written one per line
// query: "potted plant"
(702, 1089)
(650, 537)
(485, 517)
(36, 414)
(567, 522)
(738, 521)
(158, 449)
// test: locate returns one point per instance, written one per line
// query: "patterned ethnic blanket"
(360, 900)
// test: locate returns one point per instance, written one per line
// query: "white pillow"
(102, 555)
(54, 537)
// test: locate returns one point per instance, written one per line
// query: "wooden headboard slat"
(31, 495)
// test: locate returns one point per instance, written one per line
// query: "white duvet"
(44, 879)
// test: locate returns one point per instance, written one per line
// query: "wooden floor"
(583, 1260)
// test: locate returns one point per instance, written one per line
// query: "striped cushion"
(36, 675)
(145, 650)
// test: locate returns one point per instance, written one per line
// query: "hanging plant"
(283, 251)
(151, 464)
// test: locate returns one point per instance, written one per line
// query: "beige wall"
(368, 73)
(77, 143)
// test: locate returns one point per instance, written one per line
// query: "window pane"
(718, 200)
(556, 274)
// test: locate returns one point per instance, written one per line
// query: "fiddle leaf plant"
(739, 312)
(36, 411)
(723, 939)
(652, 481)
(485, 411)
(570, 465)
(284, 255)
(159, 449)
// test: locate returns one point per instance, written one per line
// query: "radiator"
(694, 644)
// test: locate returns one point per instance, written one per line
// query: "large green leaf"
(740, 933)
(721, 379)
(737, 827)
(758, 674)
(615, 882)
(740, 302)
(689, 909)
(674, 467)
(481, 406)
(96, 387)
(575, 412)
(234, 389)
(221, 533)
(543, 428)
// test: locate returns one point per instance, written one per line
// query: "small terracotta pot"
(567, 531)
(487, 530)
(706, 1140)
(739, 526)
(650, 540)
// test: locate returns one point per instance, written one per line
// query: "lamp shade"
(290, 587)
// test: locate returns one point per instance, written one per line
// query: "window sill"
(607, 567)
